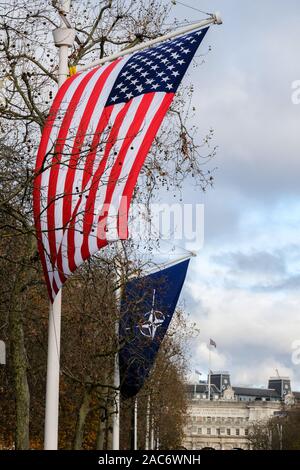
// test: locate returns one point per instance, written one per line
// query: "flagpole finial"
(218, 18)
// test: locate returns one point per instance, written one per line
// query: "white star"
(120, 85)
(155, 86)
(154, 67)
(185, 51)
(124, 74)
(180, 62)
(129, 95)
(149, 81)
(165, 79)
(144, 74)
(129, 77)
(175, 74)
(134, 82)
(175, 55)
(169, 86)
(139, 88)
(154, 319)
(124, 89)
(114, 98)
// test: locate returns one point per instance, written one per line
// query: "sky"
(243, 287)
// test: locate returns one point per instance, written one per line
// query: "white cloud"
(243, 91)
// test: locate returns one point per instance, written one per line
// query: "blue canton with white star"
(158, 69)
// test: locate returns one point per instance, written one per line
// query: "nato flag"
(147, 307)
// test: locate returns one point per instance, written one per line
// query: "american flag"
(212, 343)
(99, 130)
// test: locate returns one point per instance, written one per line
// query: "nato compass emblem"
(154, 319)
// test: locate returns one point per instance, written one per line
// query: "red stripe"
(101, 126)
(144, 149)
(38, 175)
(90, 204)
(78, 142)
(68, 217)
(117, 168)
(54, 172)
(104, 119)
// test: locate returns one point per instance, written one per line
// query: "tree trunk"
(109, 423)
(101, 428)
(19, 367)
(81, 418)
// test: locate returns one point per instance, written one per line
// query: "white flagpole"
(52, 387)
(147, 443)
(214, 19)
(168, 264)
(209, 369)
(152, 433)
(63, 38)
(116, 415)
(135, 425)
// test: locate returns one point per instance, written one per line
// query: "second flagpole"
(116, 415)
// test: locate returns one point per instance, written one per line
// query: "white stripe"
(128, 164)
(71, 138)
(78, 236)
(66, 155)
(46, 173)
(78, 174)
(102, 189)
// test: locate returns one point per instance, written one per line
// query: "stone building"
(222, 419)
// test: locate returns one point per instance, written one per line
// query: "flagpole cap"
(63, 36)
(218, 18)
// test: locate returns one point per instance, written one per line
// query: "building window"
(208, 419)
(237, 432)
(246, 432)
(228, 431)
(199, 430)
(218, 432)
(209, 431)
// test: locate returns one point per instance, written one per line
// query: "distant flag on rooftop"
(100, 128)
(147, 309)
(212, 343)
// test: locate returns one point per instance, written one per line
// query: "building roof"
(201, 388)
(257, 392)
(296, 395)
